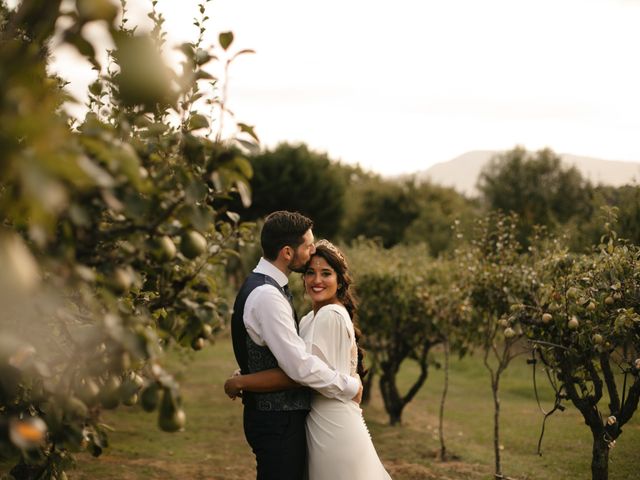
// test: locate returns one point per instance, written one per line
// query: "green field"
(213, 446)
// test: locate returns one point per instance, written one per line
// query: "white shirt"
(268, 318)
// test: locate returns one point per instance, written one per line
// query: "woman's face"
(321, 282)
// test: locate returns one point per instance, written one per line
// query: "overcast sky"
(399, 86)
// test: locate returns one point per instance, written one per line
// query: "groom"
(265, 335)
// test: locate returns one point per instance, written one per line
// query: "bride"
(338, 443)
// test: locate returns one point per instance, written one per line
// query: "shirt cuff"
(351, 390)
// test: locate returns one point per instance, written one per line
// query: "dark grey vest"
(252, 357)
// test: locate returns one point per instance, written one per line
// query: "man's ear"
(286, 253)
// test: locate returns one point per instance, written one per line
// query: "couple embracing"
(300, 380)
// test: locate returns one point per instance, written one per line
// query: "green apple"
(192, 244)
(163, 248)
(573, 324)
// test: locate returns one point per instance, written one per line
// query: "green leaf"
(129, 164)
(187, 49)
(251, 147)
(245, 193)
(225, 39)
(195, 191)
(244, 166)
(249, 129)
(197, 121)
(202, 75)
(202, 56)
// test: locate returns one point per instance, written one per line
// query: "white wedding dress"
(338, 442)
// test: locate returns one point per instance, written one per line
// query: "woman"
(338, 442)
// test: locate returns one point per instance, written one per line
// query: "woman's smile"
(321, 282)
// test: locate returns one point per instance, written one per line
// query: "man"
(265, 336)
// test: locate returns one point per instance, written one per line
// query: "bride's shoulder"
(307, 316)
(334, 312)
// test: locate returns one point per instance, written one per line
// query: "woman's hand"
(232, 388)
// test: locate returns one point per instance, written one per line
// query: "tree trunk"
(392, 402)
(367, 386)
(443, 448)
(496, 425)
(599, 456)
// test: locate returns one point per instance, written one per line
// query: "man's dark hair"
(282, 229)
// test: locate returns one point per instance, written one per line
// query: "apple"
(192, 244)
(110, 393)
(207, 330)
(163, 248)
(573, 324)
(198, 343)
(546, 317)
(121, 280)
(150, 397)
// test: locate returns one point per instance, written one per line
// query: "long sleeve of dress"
(331, 340)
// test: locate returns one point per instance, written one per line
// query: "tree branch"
(631, 403)
(614, 403)
(423, 374)
(595, 379)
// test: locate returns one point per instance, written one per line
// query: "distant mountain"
(462, 172)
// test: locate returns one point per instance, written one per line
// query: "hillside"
(462, 172)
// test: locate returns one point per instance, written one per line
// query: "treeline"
(347, 202)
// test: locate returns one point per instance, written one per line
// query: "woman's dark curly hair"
(335, 258)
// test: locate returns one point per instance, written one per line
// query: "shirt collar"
(267, 268)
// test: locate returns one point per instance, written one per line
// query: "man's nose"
(313, 249)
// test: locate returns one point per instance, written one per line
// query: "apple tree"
(112, 243)
(583, 319)
(495, 275)
(394, 319)
(449, 309)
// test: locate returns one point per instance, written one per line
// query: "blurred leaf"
(198, 121)
(248, 129)
(225, 39)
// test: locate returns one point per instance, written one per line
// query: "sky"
(399, 86)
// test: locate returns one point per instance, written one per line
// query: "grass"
(213, 446)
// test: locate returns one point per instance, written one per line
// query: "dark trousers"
(279, 442)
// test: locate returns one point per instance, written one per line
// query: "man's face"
(303, 253)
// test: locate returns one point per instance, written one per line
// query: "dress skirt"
(339, 444)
